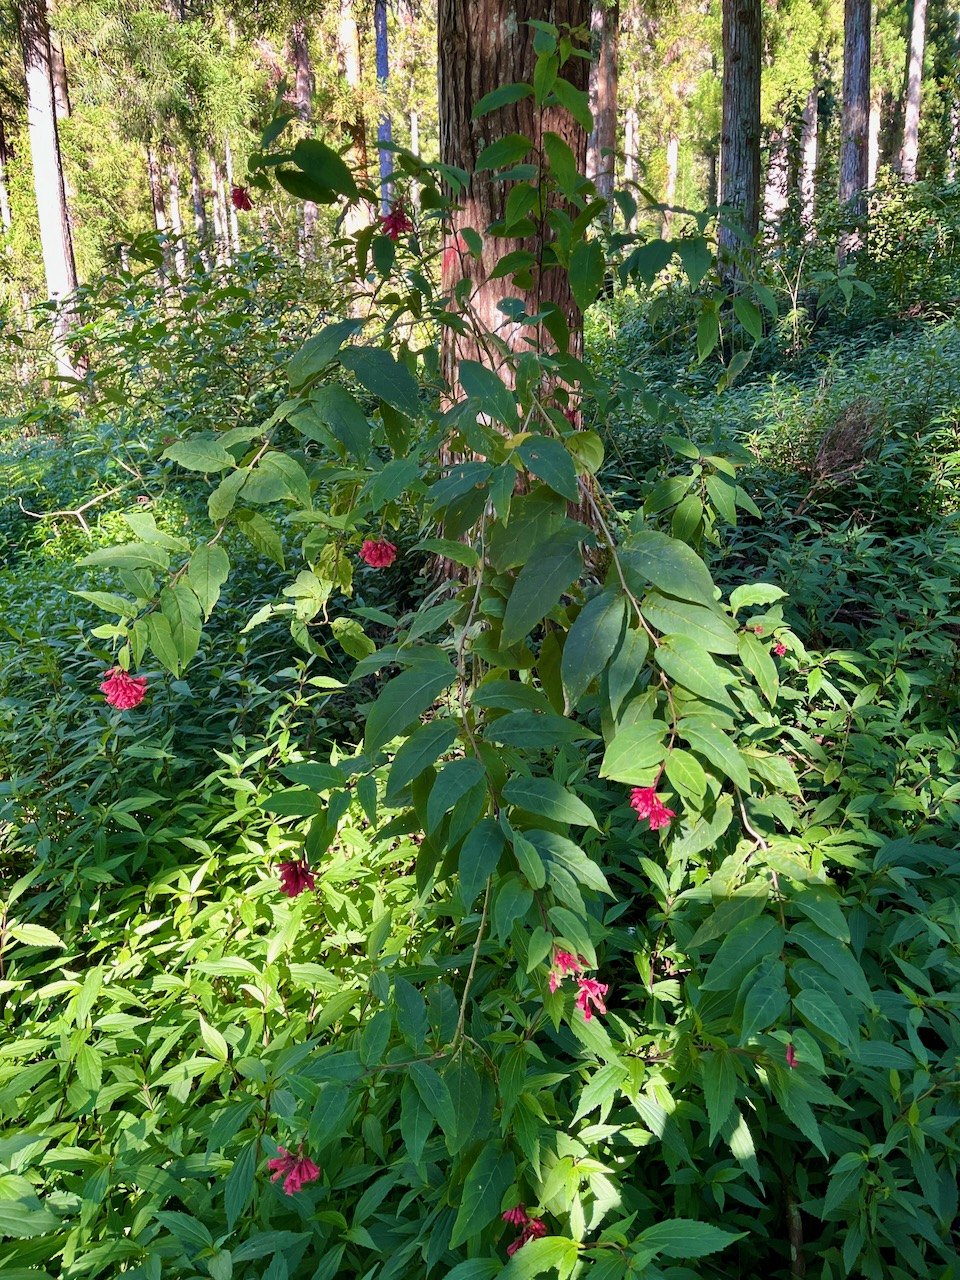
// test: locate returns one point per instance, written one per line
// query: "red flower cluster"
(295, 1170)
(533, 1228)
(295, 877)
(378, 553)
(123, 691)
(649, 805)
(241, 199)
(563, 963)
(779, 648)
(396, 222)
(791, 1055)
(591, 993)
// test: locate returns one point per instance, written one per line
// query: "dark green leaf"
(549, 461)
(552, 567)
(384, 377)
(672, 566)
(401, 701)
(483, 1189)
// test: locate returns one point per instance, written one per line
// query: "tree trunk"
(156, 191)
(777, 191)
(604, 28)
(670, 184)
(855, 119)
(911, 115)
(809, 137)
(873, 139)
(221, 227)
(230, 206)
(176, 221)
(631, 126)
(304, 97)
(6, 221)
(56, 242)
(483, 45)
(199, 209)
(740, 129)
(58, 67)
(384, 128)
(348, 57)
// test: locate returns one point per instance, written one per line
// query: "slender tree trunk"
(670, 184)
(56, 242)
(221, 227)
(602, 143)
(855, 120)
(911, 115)
(415, 148)
(631, 125)
(6, 220)
(873, 139)
(348, 56)
(384, 127)
(483, 45)
(304, 97)
(231, 207)
(199, 208)
(809, 139)
(58, 67)
(740, 128)
(156, 191)
(176, 220)
(777, 191)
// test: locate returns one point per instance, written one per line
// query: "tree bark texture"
(740, 126)
(176, 218)
(221, 227)
(199, 207)
(670, 182)
(231, 207)
(384, 126)
(809, 139)
(484, 44)
(6, 220)
(776, 195)
(855, 118)
(911, 114)
(303, 82)
(348, 58)
(56, 242)
(58, 67)
(604, 30)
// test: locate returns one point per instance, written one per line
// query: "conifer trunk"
(303, 83)
(604, 28)
(176, 220)
(670, 183)
(855, 119)
(6, 219)
(777, 189)
(809, 140)
(221, 227)
(911, 115)
(230, 206)
(384, 127)
(348, 57)
(740, 128)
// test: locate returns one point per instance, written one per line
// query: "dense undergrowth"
(768, 1081)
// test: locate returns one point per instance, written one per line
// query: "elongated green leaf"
(401, 701)
(504, 152)
(34, 935)
(422, 748)
(672, 566)
(530, 729)
(626, 666)
(262, 535)
(714, 745)
(550, 570)
(240, 1182)
(483, 1189)
(181, 608)
(317, 352)
(686, 1238)
(337, 408)
(705, 627)
(455, 779)
(207, 571)
(487, 387)
(719, 1078)
(162, 642)
(550, 1253)
(685, 773)
(549, 461)
(387, 379)
(548, 799)
(416, 1120)
(200, 454)
(323, 166)
(634, 751)
(436, 1097)
(767, 998)
(761, 666)
(742, 950)
(755, 593)
(130, 555)
(557, 850)
(587, 265)
(684, 661)
(479, 855)
(109, 602)
(821, 1013)
(502, 97)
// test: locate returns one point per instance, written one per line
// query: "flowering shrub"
(123, 691)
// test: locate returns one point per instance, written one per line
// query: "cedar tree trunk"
(855, 119)
(740, 128)
(303, 73)
(604, 29)
(911, 115)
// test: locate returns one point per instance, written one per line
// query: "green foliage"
(378, 918)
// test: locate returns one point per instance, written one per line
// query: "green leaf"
(338, 410)
(558, 851)
(696, 257)
(590, 643)
(537, 1256)
(22, 1224)
(550, 570)
(749, 316)
(109, 602)
(755, 593)
(479, 855)
(317, 352)
(200, 454)
(767, 998)
(742, 950)
(712, 743)
(416, 1122)
(504, 152)
(422, 748)
(475, 1268)
(485, 386)
(130, 555)
(822, 905)
(835, 957)
(435, 1094)
(672, 566)
(324, 167)
(207, 571)
(820, 1012)
(708, 333)
(548, 799)
(34, 935)
(761, 666)
(221, 502)
(647, 261)
(162, 642)
(145, 529)
(634, 752)
(502, 97)
(624, 671)
(685, 774)
(261, 535)
(549, 461)
(240, 1182)
(719, 1078)
(402, 700)
(601, 1088)
(576, 102)
(587, 266)
(384, 377)
(705, 627)
(318, 776)
(181, 608)
(529, 860)
(530, 729)
(483, 1189)
(686, 1238)
(685, 662)
(454, 780)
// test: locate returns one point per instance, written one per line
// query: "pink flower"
(563, 963)
(779, 648)
(758, 631)
(123, 691)
(649, 805)
(378, 553)
(791, 1055)
(241, 199)
(396, 222)
(296, 1170)
(517, 1216)
(295, 877)
(591, 993)
(532, 1231)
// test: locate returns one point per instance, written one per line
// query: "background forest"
(479, 675)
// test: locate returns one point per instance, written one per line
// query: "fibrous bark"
(303, 82)
(911, 115)
(740, 127)
(348, 57)
(855, 119)
(602, 143)
(384, 126)
(809, 139)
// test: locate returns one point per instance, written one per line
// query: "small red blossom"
(591, 993)
(241, 199)
(563, 963)
(791, 1056)
(295, 877)
(518, 1216)
(123, 691)
(533, 1230)
(649, 805)
(296, 1170)
(453, 252)
(779, 648)
(396, 222)
(758, 631)
(378, 553)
